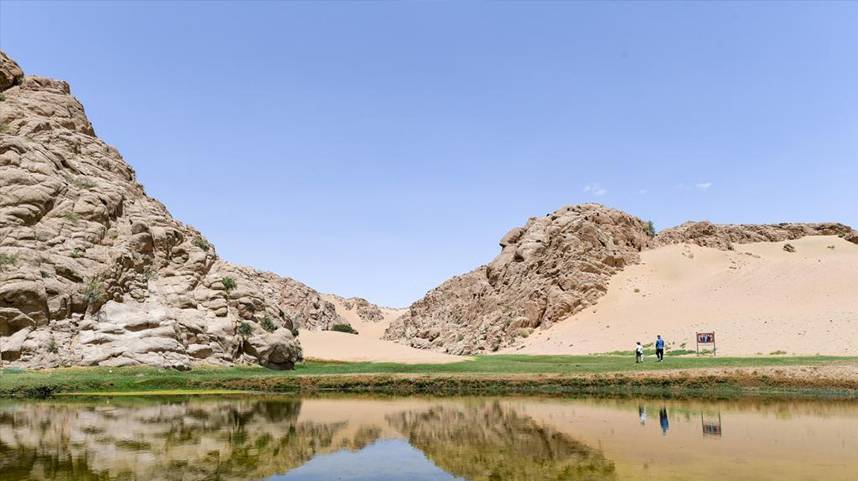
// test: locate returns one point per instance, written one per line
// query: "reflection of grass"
(482, 373)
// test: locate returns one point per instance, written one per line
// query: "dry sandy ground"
(758, 299)
(367, 345)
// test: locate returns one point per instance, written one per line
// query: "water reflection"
(398, 439)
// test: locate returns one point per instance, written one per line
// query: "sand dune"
(366, 345)
(759, 299)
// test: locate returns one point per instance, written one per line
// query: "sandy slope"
(758, 299)
(367, 345)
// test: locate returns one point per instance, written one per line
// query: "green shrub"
(201, 243)
(2, 97)
(52, 346)
(229, 283)
(650, 228)
(8, 260)
(268, 324)
(93, 291)
(76, 253)
(344, 328)
(245, 329)
(72, 217)
(4, 127)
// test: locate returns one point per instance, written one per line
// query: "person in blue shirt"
(659, 348)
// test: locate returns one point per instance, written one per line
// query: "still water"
(426, 439)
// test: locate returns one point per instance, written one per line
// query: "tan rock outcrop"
(552, 267)
(95, 272)
(364, 309)
(722, 236)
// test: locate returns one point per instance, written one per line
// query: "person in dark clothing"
(659, 348)
(662, 419)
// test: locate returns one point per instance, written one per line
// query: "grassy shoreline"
(704, 377)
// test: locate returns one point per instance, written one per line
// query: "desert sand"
(366, 345)
(758, 299)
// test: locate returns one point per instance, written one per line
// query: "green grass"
(481, 372)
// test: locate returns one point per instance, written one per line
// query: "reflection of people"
(639, 353)
(662, 419)
(659, 348)
(642, 414)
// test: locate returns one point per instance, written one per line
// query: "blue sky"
(376, 149)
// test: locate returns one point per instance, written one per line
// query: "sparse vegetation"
(347, 328)
(8, 260)
(268, 324)
(2, 98)
(789, 247)
(72, 217)
(76, 253)
(93, 291)
(777, 353)
(245, 329)
(81, 182)
(53, 348)
(201, 243)
(4, 127)
(650, 228)
(150, 274)
(228, 283)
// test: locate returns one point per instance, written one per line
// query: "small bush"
(2, 97)
(650, 228)
(76, 253)
(93, 291)
(52, 346)
(245, 329)
(4, 127)
(8, 260)
(81, 182)
(229, 283)
(344, 328)
(268, 324)
(201, 243)
(72, 217)
(777, 353)
(149, 274)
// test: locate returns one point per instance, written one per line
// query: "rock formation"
(722, 236)
(552, 267)
(364, 309)
(95, 272)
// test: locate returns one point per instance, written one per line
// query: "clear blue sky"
(376, 149)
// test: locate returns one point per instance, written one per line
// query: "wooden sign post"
(706, 338)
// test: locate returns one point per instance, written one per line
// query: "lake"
(355, 438)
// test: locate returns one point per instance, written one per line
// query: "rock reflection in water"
(191, 440)
(486, 441)
(253, 439)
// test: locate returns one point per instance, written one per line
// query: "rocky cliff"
(550, 268)
(95, 272)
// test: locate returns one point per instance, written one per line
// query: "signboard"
(706, 338)
(711, 425)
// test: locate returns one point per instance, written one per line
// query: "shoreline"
(802, 377)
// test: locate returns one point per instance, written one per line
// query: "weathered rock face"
(362, 307)
(722, 236)
(95, 272)
(307, 308)
(552, 267)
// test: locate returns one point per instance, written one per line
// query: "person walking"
(659, 348)
(638, 353)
